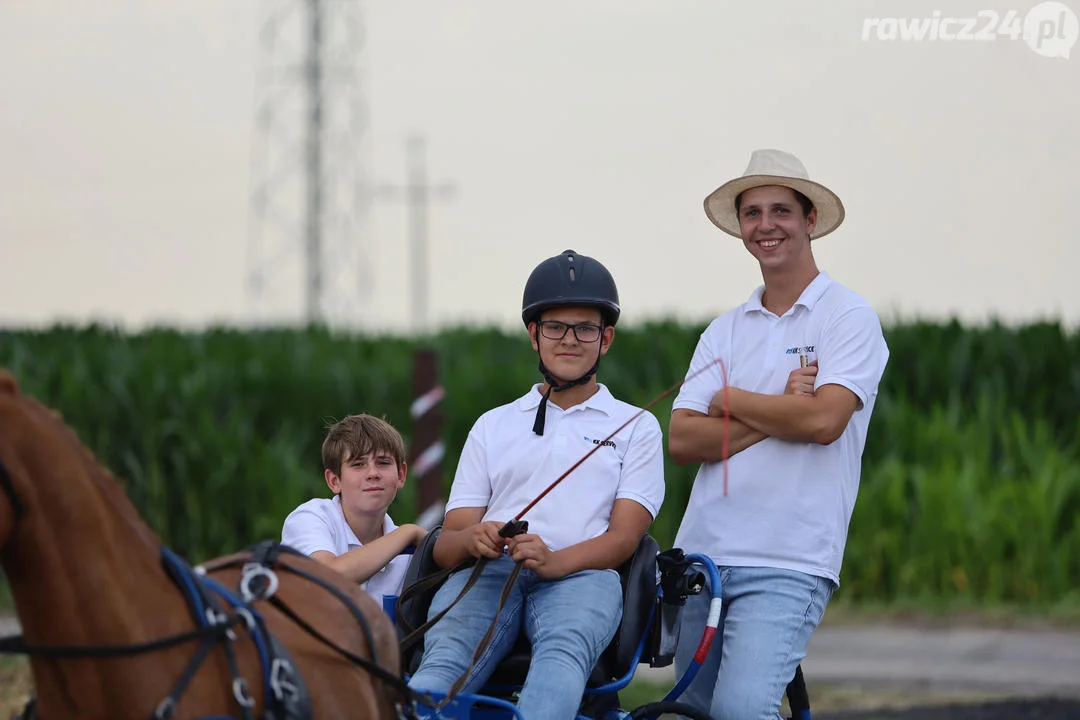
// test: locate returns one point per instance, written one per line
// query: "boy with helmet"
(568, 599)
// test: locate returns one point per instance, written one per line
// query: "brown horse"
(86, 571)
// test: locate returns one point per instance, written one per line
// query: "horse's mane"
(100, 477)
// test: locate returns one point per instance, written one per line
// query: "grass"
(832, 697)
(15, 685)
(1065, 615)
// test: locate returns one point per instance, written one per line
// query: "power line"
(309, 171)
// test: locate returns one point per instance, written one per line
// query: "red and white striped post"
(427, 451)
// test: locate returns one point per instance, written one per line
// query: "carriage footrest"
(466, 706)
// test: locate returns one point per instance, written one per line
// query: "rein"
(15, 645)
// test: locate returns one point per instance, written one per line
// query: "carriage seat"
(639, 582)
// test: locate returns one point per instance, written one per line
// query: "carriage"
(655, 584)
(118, 626)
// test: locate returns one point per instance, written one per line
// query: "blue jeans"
(767, 618)
(568, 621)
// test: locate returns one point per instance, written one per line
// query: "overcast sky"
(128, 155)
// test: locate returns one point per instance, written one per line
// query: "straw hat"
(774, 167)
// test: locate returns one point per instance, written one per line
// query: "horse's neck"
(86, 569)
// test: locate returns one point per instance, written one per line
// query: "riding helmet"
(570, 279)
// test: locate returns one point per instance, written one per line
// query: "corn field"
(971, 476)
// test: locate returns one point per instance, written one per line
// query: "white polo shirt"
(320, 524)
(788, 503)
(505, 465)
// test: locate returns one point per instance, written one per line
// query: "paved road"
(1013, 662)
(1021, 661)
(1017, 662)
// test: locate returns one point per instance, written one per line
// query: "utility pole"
(314, 76)
(418, 194)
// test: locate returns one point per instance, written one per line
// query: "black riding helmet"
(568, 279)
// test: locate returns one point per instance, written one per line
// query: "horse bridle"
(217, 630)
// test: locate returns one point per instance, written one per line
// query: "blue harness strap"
(285, 696)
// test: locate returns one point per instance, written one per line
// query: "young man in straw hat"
(804, 356)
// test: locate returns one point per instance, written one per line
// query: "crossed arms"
(801, 414)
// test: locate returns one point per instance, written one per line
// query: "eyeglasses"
(584, 332)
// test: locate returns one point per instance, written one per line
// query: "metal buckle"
(213, 617)
(280, 672)
(241, 693)
(247, 617)
(251, 572)
(165, 709)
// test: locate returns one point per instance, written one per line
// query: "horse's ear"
(7, 383)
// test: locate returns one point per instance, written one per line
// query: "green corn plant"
(970, 488)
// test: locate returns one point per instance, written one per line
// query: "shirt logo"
(804, 350)
(609, 443)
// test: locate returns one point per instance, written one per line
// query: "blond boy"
(364, 466)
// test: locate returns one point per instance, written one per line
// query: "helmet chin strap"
(554, 386)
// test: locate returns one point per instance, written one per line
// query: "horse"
(109, 626)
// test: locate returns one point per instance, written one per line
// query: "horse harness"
(219, 613)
